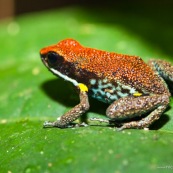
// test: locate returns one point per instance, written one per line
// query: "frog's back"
(125, 70)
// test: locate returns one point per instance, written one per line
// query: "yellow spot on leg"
(83, 87)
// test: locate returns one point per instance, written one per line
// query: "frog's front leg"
(129, 107)
(74, 113)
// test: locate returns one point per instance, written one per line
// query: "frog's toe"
(123, 126)
(83, 124)
(118, 129)
(48, 124)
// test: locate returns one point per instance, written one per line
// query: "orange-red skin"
(129, 70)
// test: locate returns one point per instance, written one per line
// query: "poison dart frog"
(131, 87)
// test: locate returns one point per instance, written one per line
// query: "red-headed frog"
(131, 87)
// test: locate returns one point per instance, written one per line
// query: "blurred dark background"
(10, 8)
(157, 15)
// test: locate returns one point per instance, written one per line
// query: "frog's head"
(61, 58)
(55, 55)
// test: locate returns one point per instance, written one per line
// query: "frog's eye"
(54, 58)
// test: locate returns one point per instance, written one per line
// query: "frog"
(136, 92)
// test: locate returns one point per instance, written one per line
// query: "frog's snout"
(43, 56)
(44, 59)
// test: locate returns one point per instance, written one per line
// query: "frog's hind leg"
(129, 107)
(165, 69)
(145, 122)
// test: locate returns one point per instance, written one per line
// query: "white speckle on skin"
(99, 84)
(122, 94)
(113, 97)
(118, 88)
(126, 87)
(93, 81)
(58, 119)
(108, 94)
(105, 80)
(131, 90)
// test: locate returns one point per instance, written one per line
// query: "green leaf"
(30, 94)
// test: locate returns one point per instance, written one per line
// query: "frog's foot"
(56, 123)
(144, 122)
(83, 124)
(48, 124)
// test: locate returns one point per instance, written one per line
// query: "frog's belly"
(108, 92)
